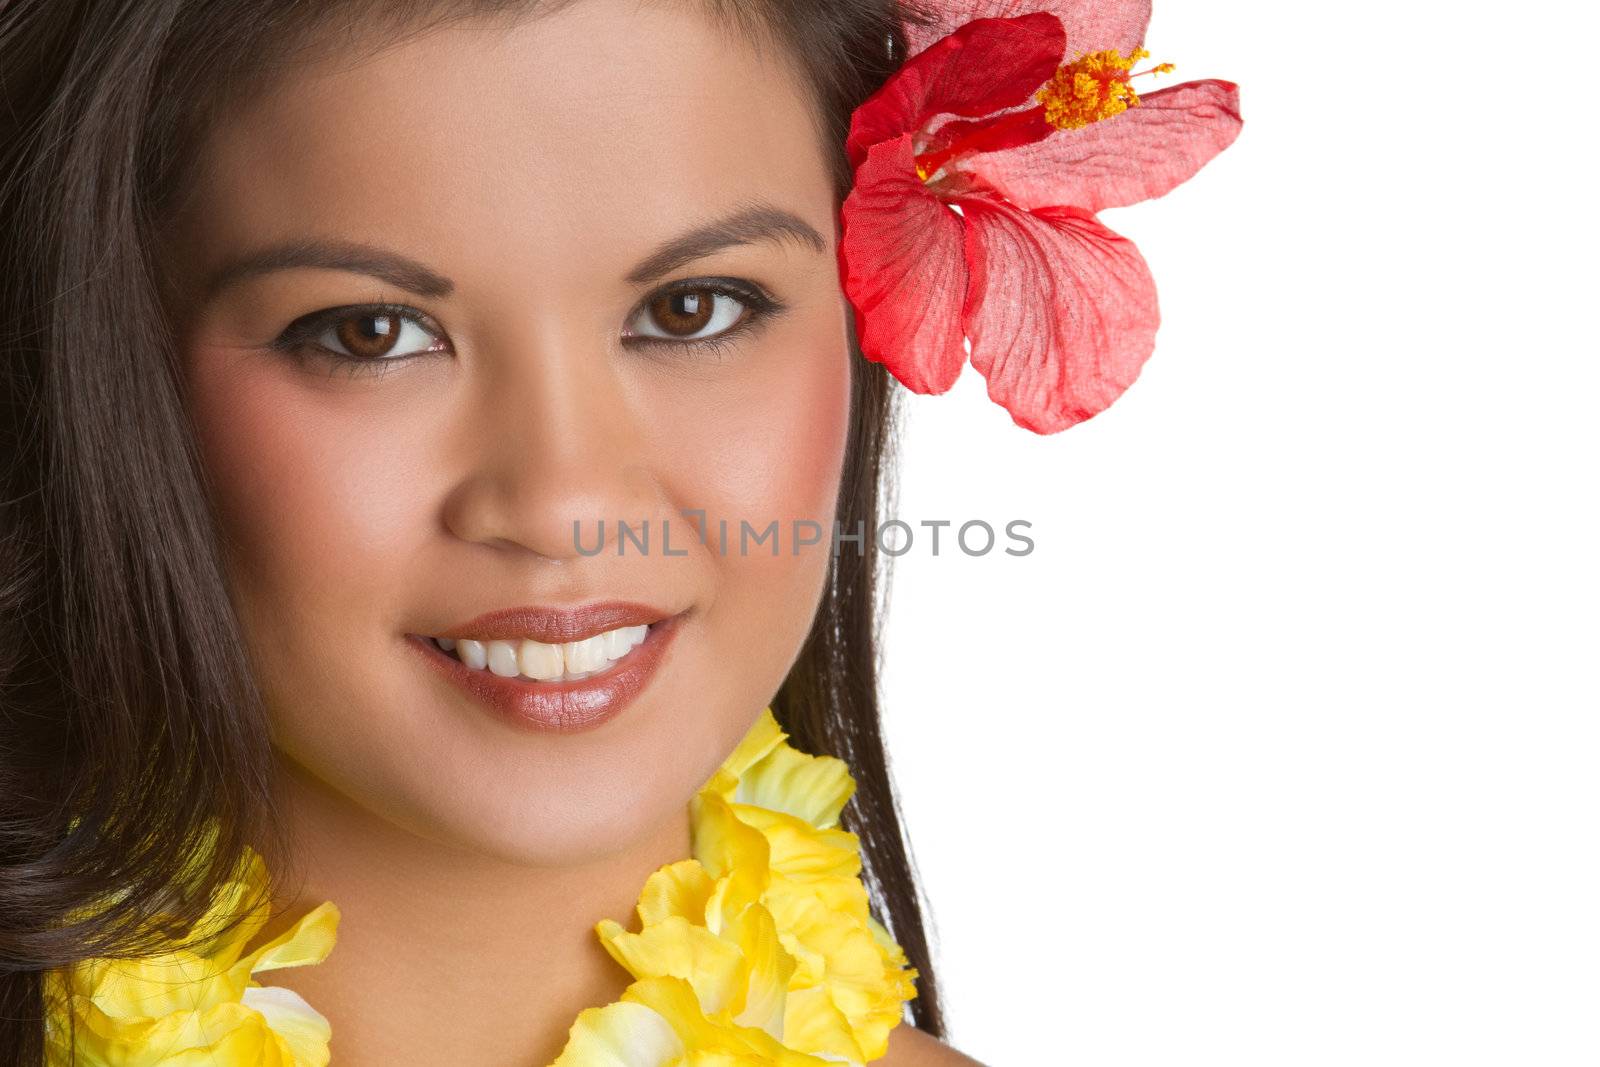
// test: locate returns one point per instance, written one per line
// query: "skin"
(534, 166)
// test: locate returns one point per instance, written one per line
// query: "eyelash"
(759, 309)
(298, 338)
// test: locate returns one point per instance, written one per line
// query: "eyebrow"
(758, 222)
(749, 225)
(327, 254)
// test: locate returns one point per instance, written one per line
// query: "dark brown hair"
(130, 726)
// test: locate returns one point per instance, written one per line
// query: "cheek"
(317, 506)
(768, 451)
(766, 440)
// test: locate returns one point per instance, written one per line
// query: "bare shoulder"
(910, 1047)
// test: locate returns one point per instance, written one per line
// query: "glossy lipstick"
(556, 706)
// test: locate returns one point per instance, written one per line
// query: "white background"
(1281, 748)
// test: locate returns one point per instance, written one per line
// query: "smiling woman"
(389, 461)
(327, 327)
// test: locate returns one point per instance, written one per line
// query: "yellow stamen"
(1093, 87)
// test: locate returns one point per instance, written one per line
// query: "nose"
(554, 449)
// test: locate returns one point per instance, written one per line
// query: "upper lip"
(553, 625)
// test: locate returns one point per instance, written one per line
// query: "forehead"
(605, 125)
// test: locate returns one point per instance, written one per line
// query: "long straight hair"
(134, 752)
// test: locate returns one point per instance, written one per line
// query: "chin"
(537, 801)
(563, 831)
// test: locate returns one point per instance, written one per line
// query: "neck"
(445, 955)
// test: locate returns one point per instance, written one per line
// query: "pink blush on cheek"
(770, 443)
(314, 486)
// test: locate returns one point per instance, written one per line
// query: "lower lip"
(557, 707)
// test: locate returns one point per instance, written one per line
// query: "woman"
(382, 381)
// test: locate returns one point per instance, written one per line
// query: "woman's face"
(505, 193)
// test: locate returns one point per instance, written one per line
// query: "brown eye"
(370, 334)
(691, 314)
(685, 313)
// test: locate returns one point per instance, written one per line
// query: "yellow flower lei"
(758, 950)
(182, 1008)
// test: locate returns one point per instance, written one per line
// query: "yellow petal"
(680, 888)
(796, 849)
(675, 948)
(243, 896)
(768, 969)
(763, 736)
(231, 1034)
(725, 845)
(812, 1024)
(308, 941)
(713, 1041)
(810, 788)
(859, 976)
(303, 1031)
(891, 947)
(623, 1034)
(145, 988)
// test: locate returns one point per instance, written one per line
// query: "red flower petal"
(1091, 25)
(1142, 153)
(982, 67)
(901, 261)
(1061, 311)
(992, 133)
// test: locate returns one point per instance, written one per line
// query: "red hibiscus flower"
(1026, 140)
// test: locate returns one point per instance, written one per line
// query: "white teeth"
(473, 654)
(624, 640)
(586, 655)
(540, 661)
(543, 662)
(503, 658)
